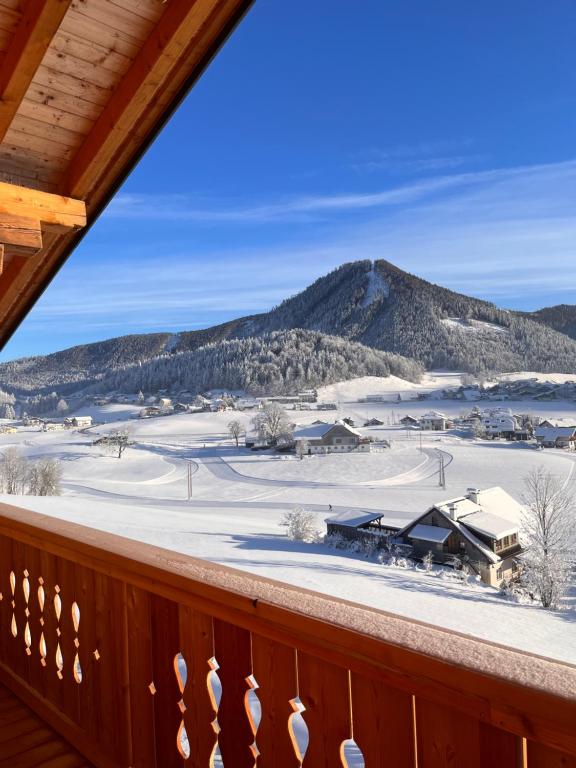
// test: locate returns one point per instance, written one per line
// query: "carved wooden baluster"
(58, 657)
(274, 667)
(382, 723)
(167, 714)
(42, 647)
(90, 696)
(324, 691)
(13, 623)
(233, 651)
(141, 678)
(27, 631)
(200, 715)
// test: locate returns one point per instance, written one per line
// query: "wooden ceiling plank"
(62, 102)
(104, 57)
(20, 231)
(159, 57)
(52, 209)
(49, 115)
(32, 37)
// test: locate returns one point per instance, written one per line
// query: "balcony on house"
(115, 653)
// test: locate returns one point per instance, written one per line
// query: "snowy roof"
(558, 422)
(490, 525)
(434, 415)
(353, 518)
(430, 533)
(319, 430)
(553, 433)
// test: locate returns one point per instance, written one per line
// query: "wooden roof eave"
(190, 34)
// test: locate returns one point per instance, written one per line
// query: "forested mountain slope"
(561, 317)
(279, 362)
(373, 303)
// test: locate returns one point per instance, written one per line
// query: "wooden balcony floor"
(27, 742)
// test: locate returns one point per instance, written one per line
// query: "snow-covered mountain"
(373, 303)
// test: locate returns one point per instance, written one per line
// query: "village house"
(556, 437)
(481, 529)
(330, 438)
(150, 412)
(435, 421)
(308, 396)
(78, 421)
(327, 407)
(409, 421)
(500, 422)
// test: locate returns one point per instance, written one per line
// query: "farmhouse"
(434, 420)
(361, 526)
(481, 529)
(79, 421)
(556, 437)
(330, 438)
(409, 421)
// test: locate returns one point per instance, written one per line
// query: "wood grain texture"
(28, 46)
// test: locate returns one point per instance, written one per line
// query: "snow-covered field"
(239, 498)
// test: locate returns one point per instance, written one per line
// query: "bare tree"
(118, 441)
(13, 472)
(43, 478)
(548, 527)
(235, 430)
(271, 422)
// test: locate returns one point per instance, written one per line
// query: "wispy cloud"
(180, 208)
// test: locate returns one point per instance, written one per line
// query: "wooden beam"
(20, 231)
(176, 33)
(1, 258)
(41, 206)
(40, 21)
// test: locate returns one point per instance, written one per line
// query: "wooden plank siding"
(155, 627)
(85, 85)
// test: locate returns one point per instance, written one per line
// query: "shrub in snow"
(428, 561)
(301, 525)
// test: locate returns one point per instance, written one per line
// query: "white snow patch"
(375, 289)
(172, 343)
(473, 326)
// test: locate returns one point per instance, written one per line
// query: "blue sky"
(438, 135)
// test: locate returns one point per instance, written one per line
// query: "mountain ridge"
(374, 304)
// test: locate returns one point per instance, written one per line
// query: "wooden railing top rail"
(525, 694)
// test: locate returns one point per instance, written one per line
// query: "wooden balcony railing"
(116, 645)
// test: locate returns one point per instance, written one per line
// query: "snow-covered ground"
(239, 498)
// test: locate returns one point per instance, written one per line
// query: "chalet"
(53, 426)
(435, 421)
(361, 526)
(481, 529)
(373, 423)
(409, 421)
(79, 421)
(164, 402)
(556, 437)
(330, 438)
(180, 407)
(499, 423)
(327, 407)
